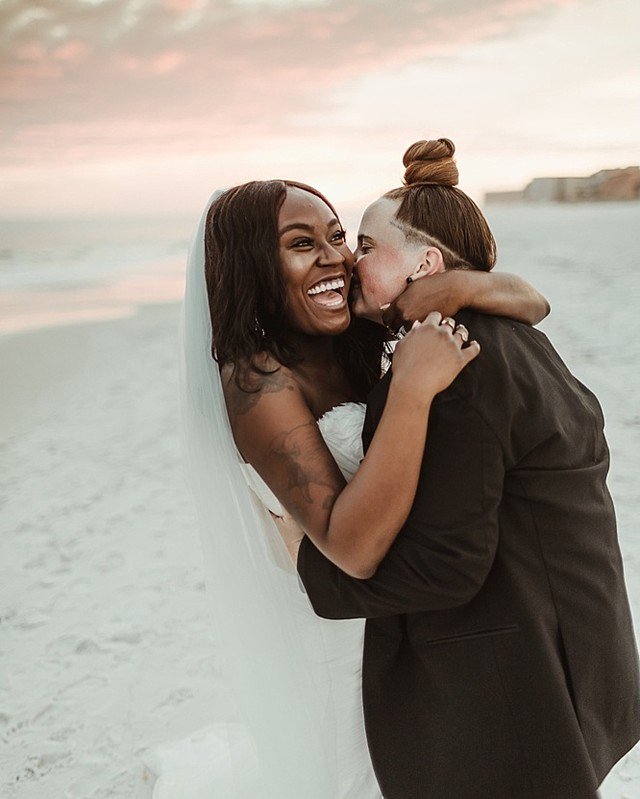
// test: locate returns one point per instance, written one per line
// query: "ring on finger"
(447, 320)
(462, 331)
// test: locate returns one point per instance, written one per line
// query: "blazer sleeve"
(444, 552)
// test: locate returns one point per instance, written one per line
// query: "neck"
(323, 379)
(315, 350)
(376, 319)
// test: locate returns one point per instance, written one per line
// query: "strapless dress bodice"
(341, 428)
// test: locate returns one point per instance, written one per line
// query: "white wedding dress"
(206, 765)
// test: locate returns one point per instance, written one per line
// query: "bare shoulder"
(276, 432)
(267, 377)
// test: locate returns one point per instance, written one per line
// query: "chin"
(333, 327)
(340, 327)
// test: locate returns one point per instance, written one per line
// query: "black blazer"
(499, 657)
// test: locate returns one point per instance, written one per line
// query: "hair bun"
(431, 161)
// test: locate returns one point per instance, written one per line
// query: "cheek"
(293, 275)
(379, 276)
(294, 269)
(373, 286)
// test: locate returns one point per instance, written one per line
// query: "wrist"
(405, 393)
(463, 284)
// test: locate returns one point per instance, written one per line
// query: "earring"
(410, 279)
(258, 328)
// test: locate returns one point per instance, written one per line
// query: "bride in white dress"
(295, 679)
(219, 761)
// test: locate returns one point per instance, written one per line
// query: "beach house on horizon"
(605, 185)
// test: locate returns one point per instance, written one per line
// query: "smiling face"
(316, 265)
(384, 259)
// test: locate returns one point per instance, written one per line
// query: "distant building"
(608, 184)
(501, 197)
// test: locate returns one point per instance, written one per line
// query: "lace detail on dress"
(341, 428)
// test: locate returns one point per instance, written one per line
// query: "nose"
(331, 256)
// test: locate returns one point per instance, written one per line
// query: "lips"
(329, 292)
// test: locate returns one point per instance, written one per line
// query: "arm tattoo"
(301, 452)
(240, 402)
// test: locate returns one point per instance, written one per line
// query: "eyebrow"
(363, 236)
(303, 226)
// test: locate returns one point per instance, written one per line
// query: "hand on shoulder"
(430, 357)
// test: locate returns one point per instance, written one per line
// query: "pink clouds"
(182, 6)
(210, 61)
(93, 81)
(73, 51)
(160, 64)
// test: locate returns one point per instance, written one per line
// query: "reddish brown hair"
(432, 205)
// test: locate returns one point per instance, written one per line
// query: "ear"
(432, 263)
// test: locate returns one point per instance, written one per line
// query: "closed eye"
(365, 244)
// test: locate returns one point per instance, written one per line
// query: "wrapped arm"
(276, 432)
(492, 293)
(444, 552)
(353, 524)
(504, 294)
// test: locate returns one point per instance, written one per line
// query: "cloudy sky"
(140, 106)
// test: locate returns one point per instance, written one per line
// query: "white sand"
(105, 640)
(104, 647)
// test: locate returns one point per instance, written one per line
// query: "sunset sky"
(144, 106)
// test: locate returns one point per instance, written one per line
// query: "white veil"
(264, 641)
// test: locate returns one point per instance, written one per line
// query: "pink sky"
(140, 106)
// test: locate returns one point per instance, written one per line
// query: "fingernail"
(384, 307)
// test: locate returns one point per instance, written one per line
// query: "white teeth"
(328, 286)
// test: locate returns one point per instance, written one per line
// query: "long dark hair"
(247, 293)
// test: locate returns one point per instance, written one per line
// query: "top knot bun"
(431, 161)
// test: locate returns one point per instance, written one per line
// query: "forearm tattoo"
(298, 453)
(301, 452)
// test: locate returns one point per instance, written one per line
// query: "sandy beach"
(105, 640)
(105, 648)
